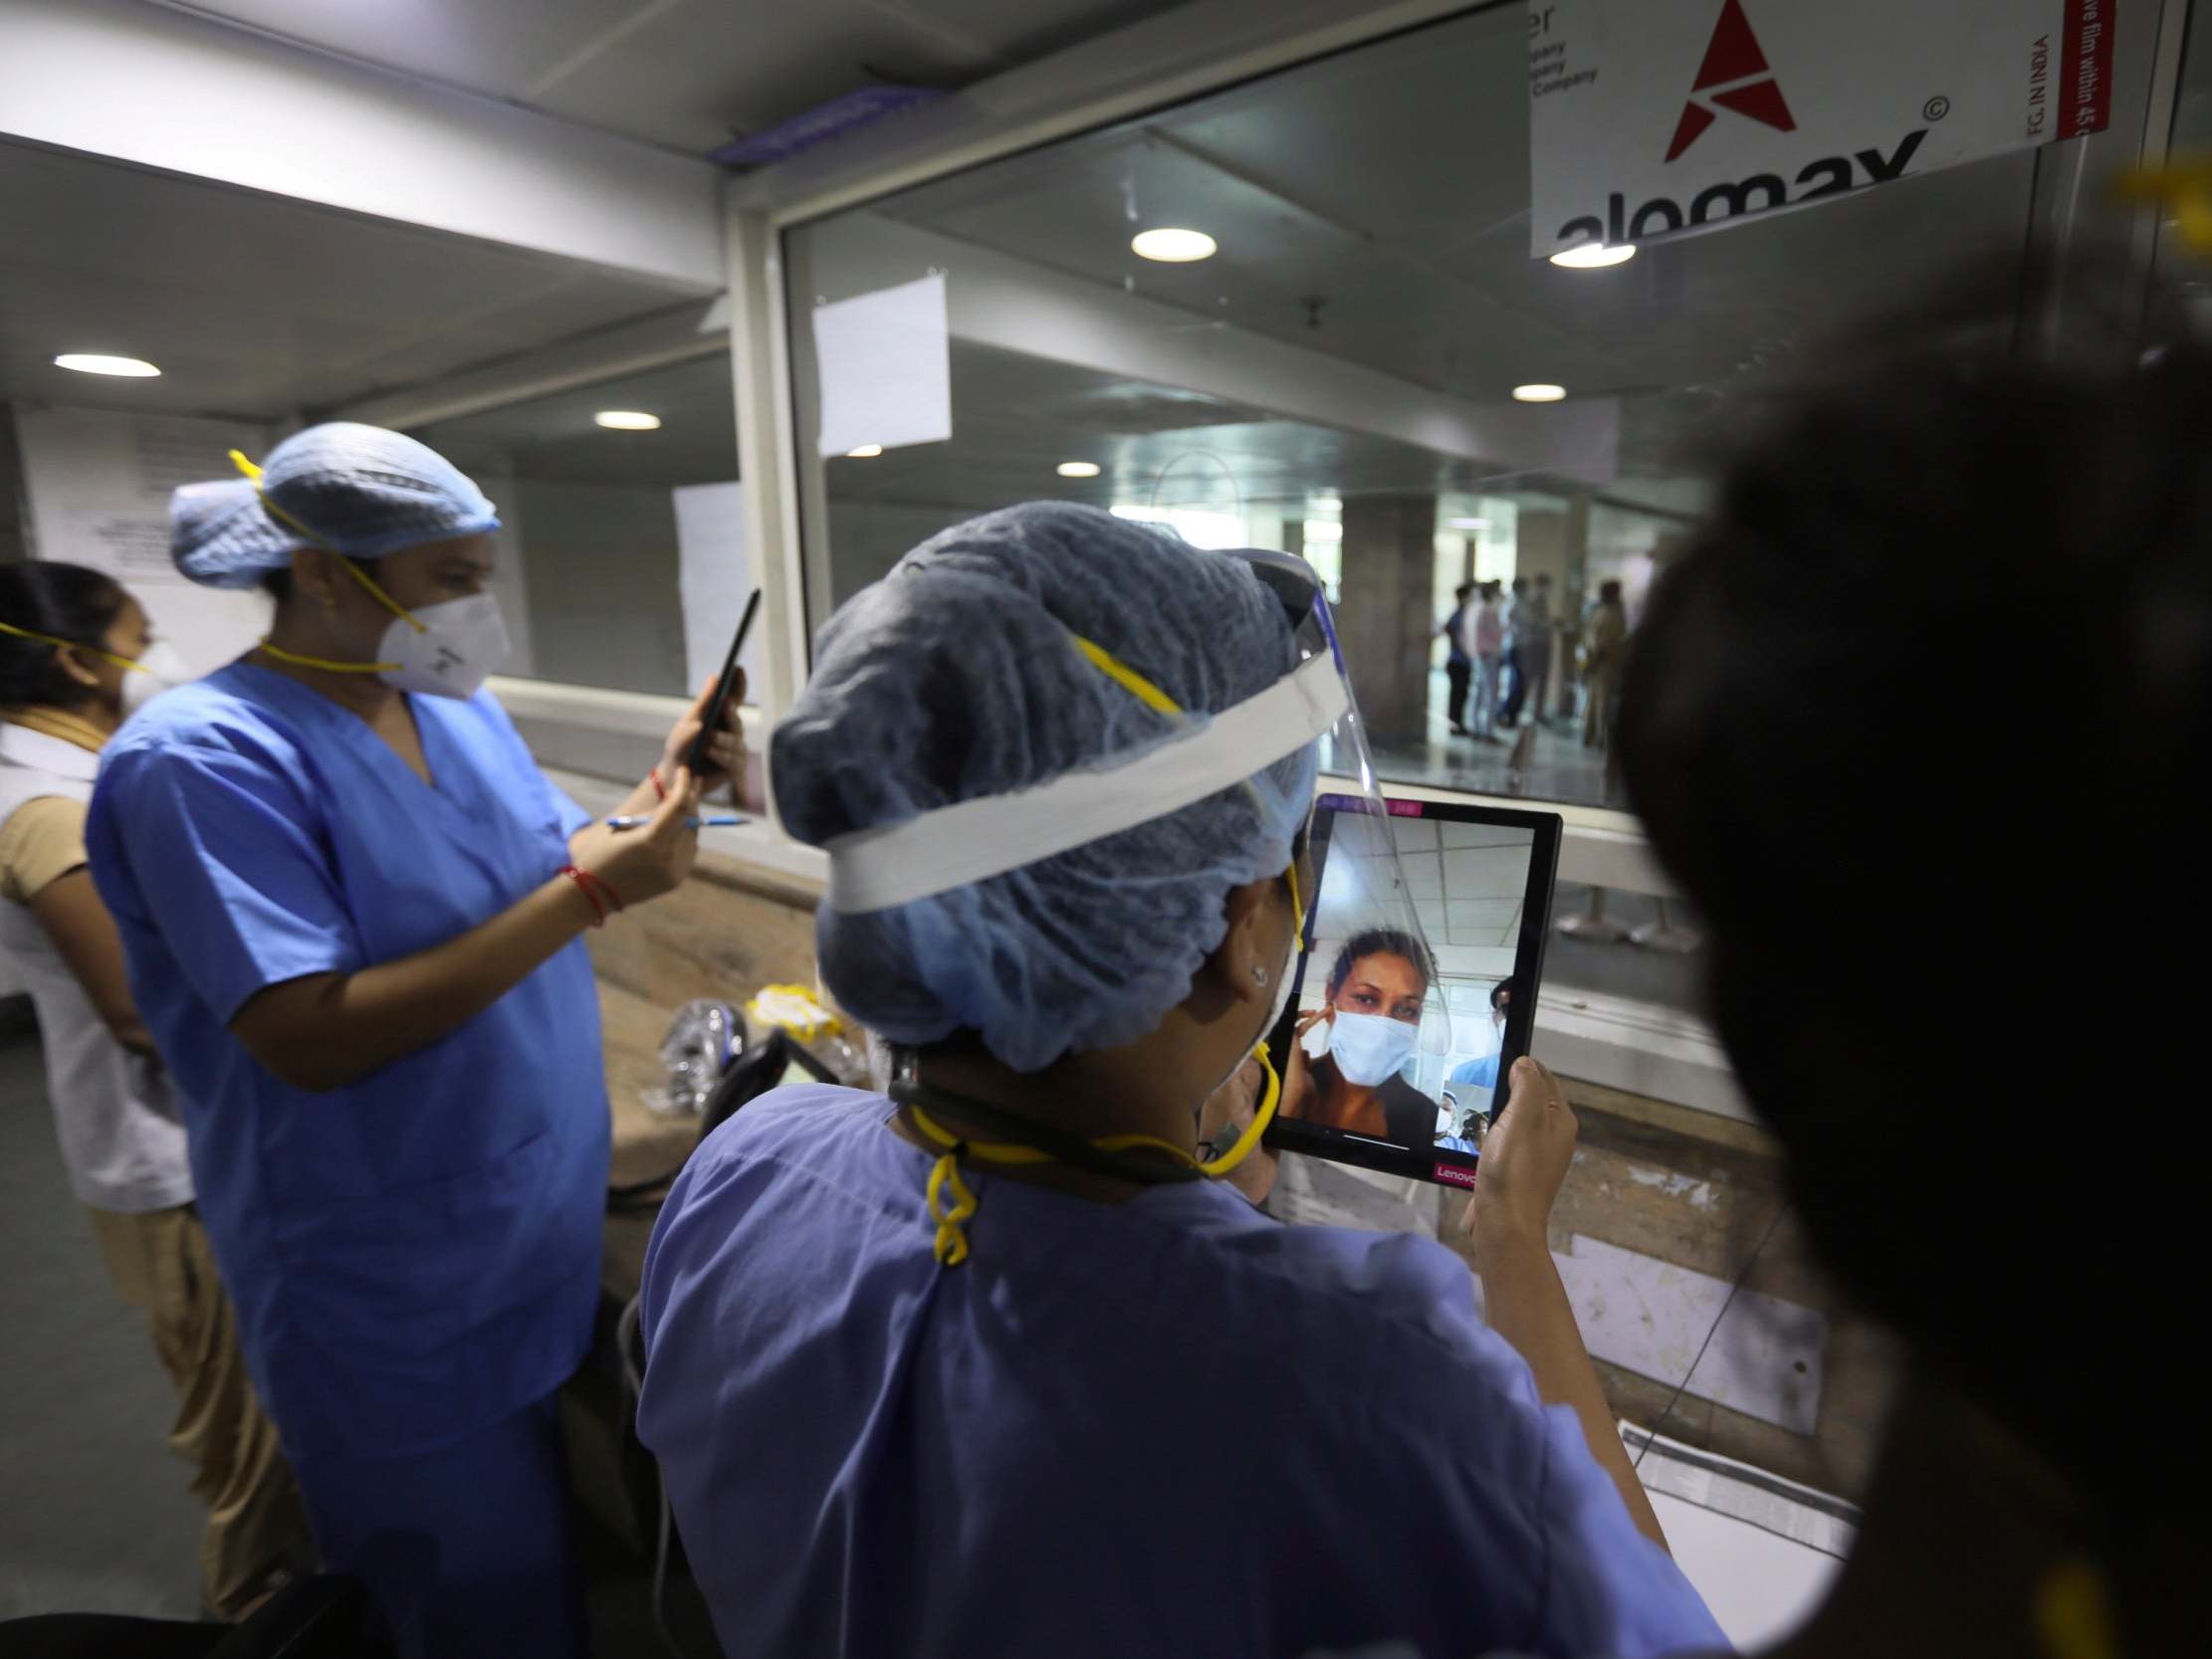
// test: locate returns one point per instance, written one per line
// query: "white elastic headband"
(971, 841)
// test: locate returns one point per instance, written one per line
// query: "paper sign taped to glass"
(1652, 119)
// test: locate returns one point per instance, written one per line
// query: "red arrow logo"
(1734, 76)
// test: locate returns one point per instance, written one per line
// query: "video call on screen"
(1466, 886)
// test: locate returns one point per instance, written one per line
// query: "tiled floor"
(1559, 769)
(98, 1518)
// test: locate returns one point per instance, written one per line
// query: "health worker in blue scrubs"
(352, 910)
(991, 1364)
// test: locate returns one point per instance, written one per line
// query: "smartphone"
(718, 704)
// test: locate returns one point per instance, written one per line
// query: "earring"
(1259, 974)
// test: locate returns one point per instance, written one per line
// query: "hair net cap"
(361, 490)
(955, 678)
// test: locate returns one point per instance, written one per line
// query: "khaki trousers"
(257, 1533)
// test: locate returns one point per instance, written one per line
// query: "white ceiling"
(690, 73)
(261, 306)
(1373, 206)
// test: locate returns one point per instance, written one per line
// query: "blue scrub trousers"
(468, 1549)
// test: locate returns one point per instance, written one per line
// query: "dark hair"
(1463, 590)
(1382, 942)
(66, 601)
(1838, 827)
(1504, 988)
(1609, 593)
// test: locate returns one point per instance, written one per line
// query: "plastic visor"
(974, 840)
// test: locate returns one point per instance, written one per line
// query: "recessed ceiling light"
(91, 362)
(1324, 503)
(627, 420)
(1594, 256)
(1172, 247)
(866, 452)
(1538, 392)
(1077, 468)
(1468, 524)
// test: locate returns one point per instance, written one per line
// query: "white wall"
(601, 565)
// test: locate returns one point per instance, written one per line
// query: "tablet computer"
(1422, 952)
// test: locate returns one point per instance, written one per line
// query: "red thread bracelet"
(654, 778)
(600, 897)
(602, 889)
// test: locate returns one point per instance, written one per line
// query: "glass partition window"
(1337, 377)
(616, 535)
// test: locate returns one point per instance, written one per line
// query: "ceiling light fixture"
(1594, 256)
(1077, 468)
(1468, 524)
(866, 452)
(1538, 392)
(92, 362)
(1325, 503)
(1172, 247)
(627, 420)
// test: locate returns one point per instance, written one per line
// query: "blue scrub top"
(417, 1255)
(1171, 1427)
(1481, 1072)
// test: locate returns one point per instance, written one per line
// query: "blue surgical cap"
(953, 678)
(361, 490)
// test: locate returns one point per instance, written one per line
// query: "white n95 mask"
(445, 650)
(1370, 1048)
(157, 670)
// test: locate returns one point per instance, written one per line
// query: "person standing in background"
(1485, 644)
(77, 658)
(1605, 645)
(1459, 666)
(1535, 638)
(1516, 676)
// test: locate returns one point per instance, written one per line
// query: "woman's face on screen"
(1382, 982)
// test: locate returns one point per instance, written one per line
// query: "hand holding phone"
(714, 750)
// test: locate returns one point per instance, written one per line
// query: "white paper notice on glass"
(885, 362)
(714, 577)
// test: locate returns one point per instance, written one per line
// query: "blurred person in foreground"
(2027, 1228)
(946, 1373)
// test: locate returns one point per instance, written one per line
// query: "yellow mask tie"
(252, 474)
(1130, 680)
(64, 644)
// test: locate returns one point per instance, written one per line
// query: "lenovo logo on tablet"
(1453, 1175)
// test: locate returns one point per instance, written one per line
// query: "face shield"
(1356, 892)
(1366, 1041)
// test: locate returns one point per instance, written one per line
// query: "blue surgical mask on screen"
(1368, 1048)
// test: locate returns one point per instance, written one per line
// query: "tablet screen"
(1417, 987)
